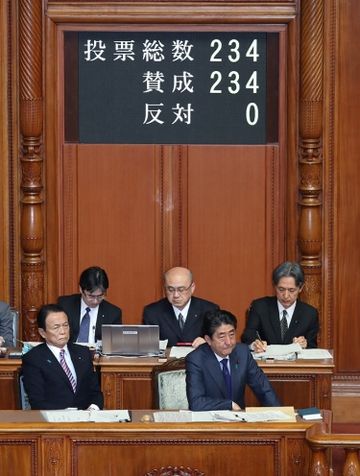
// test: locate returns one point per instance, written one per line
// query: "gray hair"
(289, 269)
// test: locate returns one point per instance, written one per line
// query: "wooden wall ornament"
(31, 123)
(310, 147)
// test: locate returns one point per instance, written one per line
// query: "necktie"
(283, 325)
(66, 369)
(227, 378)
(181, 321)
(84, 327)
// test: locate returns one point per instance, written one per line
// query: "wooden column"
(310, 147)
(31, 124)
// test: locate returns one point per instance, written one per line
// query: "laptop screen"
(131, 340)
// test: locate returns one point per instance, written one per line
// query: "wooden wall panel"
(110, 220)
(348, 196)
(233, 223)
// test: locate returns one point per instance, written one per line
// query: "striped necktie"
(283, 325)
(66, 369)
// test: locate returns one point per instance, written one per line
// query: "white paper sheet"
(66, 416)
(314, 354)
(179, 351)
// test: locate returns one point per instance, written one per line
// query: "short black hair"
(215, 318)
(94, 278)
(45, 311)
(288, 269)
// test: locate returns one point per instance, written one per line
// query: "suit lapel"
(100, 318)
(214, 370)
(53, 365)
(170, 317)
(274, 318)
(192, 315)
(295, 319)
(76, 313)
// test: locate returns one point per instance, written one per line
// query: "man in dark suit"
(179, 315)
(88, 311)
(58, 374)
(218, 371)
(268, 315)
(6, 330)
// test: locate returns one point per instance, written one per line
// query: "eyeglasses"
(94, 297)
(289, 290)
(179, 290)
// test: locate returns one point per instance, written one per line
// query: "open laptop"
(130, 340)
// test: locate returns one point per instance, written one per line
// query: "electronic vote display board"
(160, 87)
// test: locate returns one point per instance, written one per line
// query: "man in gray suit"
(179, 315)
(6, 331)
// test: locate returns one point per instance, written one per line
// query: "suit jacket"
(263, 317)
(6, 330)
(107, 314)
(161, 313)
(205, 385)
(49, 388)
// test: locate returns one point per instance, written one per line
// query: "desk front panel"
(133, 449)
(299, 384)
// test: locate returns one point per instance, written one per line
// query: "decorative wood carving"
(31, 118)
(175, 471)
(310, 147)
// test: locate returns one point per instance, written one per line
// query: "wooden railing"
(321, 443)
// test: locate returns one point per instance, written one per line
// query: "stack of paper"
(103, 416)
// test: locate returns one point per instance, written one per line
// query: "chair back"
(169, 386)
(15, 326)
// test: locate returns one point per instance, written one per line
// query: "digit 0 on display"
(172, 87)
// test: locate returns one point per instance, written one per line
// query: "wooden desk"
(126, 383)
(8, 383)
(132, 449)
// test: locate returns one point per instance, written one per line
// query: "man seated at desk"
(283, 318)
(179, 315)
(6, 330)
(217, 371)
(88, 311)
(59, 374)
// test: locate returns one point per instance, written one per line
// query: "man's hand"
(300, 340)
(235, 407)
(259, 345)
(198, 341)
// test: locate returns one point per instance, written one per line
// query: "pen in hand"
(263, 347)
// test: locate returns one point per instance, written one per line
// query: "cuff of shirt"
(93, 406)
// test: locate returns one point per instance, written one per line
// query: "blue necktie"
(84, 327)
(227, 378)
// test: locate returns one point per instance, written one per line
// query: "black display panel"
(171, 87)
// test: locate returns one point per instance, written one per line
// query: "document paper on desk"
(257, 414)
(98, 416)
(278, 350)
(314, 354)
(179, 351)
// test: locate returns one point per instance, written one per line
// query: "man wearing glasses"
(283, 318)
(179, 315)
(89, 310)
